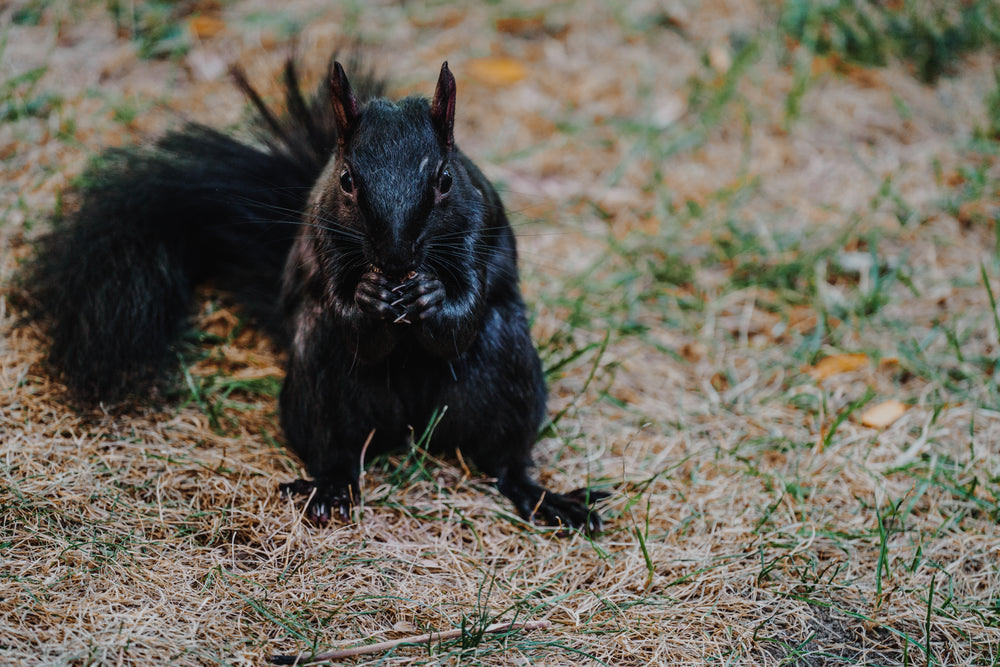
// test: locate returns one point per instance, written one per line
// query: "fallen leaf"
(883, 414)
(954, 179)
(719, 382)
(674, 15)
(497, 71)
(837, 364)
(521, 25)
(539, 125)
(626, 395)
(206, 26)
(802, 319)
(888, 362)
(448, 18)
(865, 77)
(693, 351)
(975, 211)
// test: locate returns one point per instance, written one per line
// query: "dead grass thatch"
(706, 211)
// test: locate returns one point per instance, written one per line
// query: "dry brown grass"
(754, 519)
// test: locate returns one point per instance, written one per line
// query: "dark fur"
(398, 283)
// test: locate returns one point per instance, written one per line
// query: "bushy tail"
(113, 282)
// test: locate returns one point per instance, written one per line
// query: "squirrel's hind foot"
(324, 502)
(574, 510)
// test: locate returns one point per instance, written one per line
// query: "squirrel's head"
(396, 180)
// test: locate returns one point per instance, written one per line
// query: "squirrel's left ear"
(443, 108)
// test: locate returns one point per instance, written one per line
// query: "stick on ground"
(306, 658)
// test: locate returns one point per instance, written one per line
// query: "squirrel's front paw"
(375, 296)
(420, 297)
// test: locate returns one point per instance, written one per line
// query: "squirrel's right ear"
(345, 105)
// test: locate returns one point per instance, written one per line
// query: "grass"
(695, 239)
(931, 36)
(158, 28)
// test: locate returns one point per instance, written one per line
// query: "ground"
(762, 275)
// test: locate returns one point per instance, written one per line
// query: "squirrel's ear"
(443, 108)
(345, 105)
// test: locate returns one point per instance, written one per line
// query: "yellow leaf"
(448, 18)
(883, 414)
(888, 362)
(837, 364)
(521, 25)
(498, 71)
(206, 26)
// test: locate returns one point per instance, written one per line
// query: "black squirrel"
(361, 238)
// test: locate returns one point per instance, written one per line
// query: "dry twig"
(339, 654)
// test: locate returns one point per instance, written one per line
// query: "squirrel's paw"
(430, 295)
(420, 297)
(574, 510)
(325, 502)
(571, 510)
(375, 296)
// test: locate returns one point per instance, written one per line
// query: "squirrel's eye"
(346, 182)
(444, 181)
